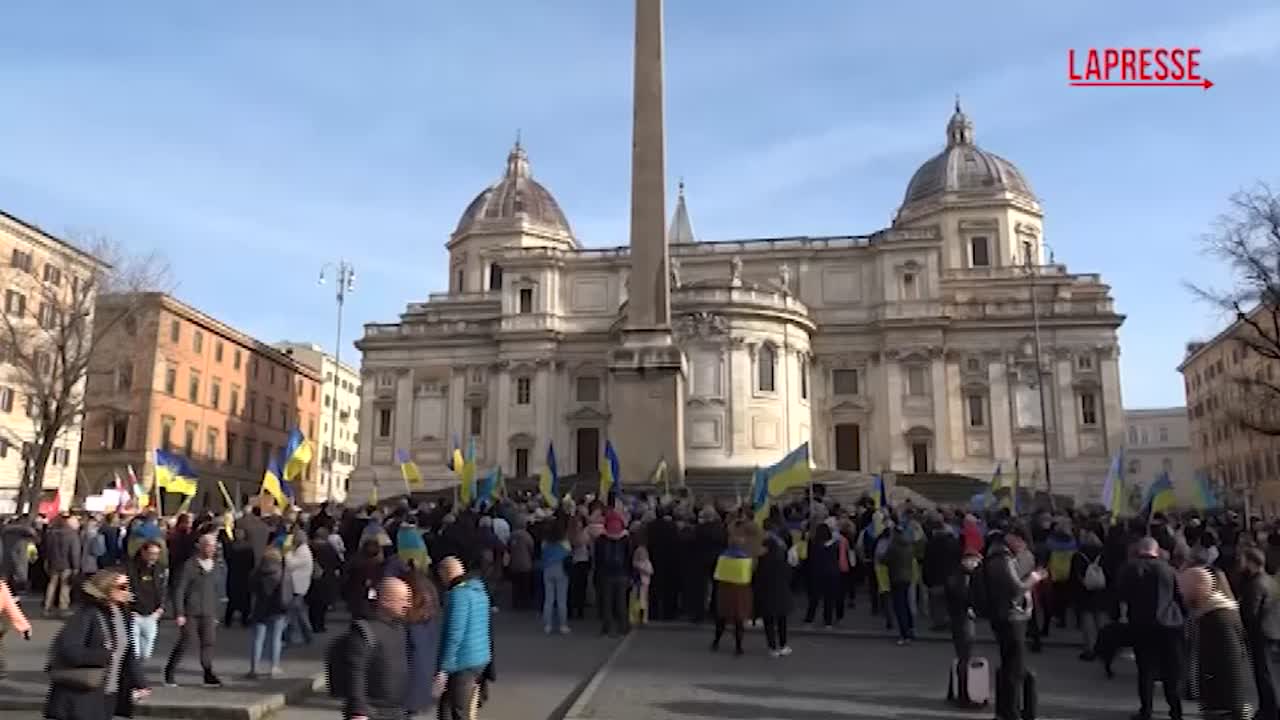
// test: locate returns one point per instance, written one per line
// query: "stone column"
(1066, 422)
(1001, 414)
(942, 390)
(895, 447)
(1112, 407)
(364, 451)
(402, 421)
(500, 415)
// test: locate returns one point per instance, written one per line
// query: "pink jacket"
(10, 609)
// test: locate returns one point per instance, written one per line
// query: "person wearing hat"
(1009, 596)
(961, 617)
(613, 573)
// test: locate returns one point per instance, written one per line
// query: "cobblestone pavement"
(671, 674)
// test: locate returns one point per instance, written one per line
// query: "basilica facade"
(910, 349)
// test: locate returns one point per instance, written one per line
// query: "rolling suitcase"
(977, 682)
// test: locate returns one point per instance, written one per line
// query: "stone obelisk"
(647, 371)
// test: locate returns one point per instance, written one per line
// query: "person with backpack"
(368, 666)
(613, 573)
(1089, 587)
(1261, 618)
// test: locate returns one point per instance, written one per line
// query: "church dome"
(516, 198)
(963, 167)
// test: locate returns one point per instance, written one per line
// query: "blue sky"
(250, 141)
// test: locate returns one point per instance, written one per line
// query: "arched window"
(766, 362)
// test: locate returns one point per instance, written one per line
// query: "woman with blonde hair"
(94, 673)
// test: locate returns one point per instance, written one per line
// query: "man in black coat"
(1259, 613)
(380, 675)
(1149, 589)
(195, 609)
(1008, 588)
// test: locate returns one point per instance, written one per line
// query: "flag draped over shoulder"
(610, 472)
(790, 472)
(174, 473)
(549, 478)
(408, 468)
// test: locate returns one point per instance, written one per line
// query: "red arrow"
(1205, 83)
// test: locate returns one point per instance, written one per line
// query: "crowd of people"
(1190, 594)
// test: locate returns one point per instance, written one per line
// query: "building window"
(232, 439)
(249, 446)
(170, 381)
(977, 411)
(217, 351)
(804, 379)
(1167, 465)
(47, 316)
(189, 439)
(193, 387)
(211, 443)
(197, 341)
(235, 400)
(1088, 409)
(1084, 362)
(266, 454)
(271, 407)
(844, 381)
(910, 287)
(235, 360)
(917, 385)
(522, 462)
(131, 325)
(15, 303)
(523, 388)
(215, 393)
(22, 260)
(251, 408)
(526, 301)
(973, 365)
(384, 422)
(766, 367)
(1164, 434)
(6, 399)
(175, 331)
(124, 378)
(118, 432)
(920, 457)
(495, 277)
(166, 433)
(980, 251)
(457, 280)
(52, 274)
(477, 420)
(253, 367)
(271, 374)
(588, 388)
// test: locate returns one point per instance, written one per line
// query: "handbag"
(88, 678)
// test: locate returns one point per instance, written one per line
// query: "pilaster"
(1067, 428)
(1001, 410)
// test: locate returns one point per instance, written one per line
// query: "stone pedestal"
(646, 396)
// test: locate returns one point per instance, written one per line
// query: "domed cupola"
(964, 171)
(516, 203)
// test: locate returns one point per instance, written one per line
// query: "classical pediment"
(522, 440)
(852, 405)
(585, 414)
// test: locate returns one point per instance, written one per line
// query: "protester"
(555, 581)
(240, 560)
(299, 565)
(423, 622)
(1221, 677)
(1149, 589)
(195, 609)
(733, 575)
(94, 672)
(268, 587)
(1090, 597)
(62, 556)
(147, 579)
(466, 648)
(771, 585)
(957, 596)
(380, 671)
(1260, 614)
(612, 559)
(325, 580)
(1009, 590)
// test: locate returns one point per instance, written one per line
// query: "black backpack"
(337, 658)
(980, 591)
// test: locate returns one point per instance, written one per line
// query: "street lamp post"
(345, 278)
(1032, 273)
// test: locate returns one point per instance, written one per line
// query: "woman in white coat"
(299, 566)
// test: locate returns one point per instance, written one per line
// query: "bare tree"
(1247, 239)
(52, 340)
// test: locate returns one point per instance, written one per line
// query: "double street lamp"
(1033, 271)
(344, 275)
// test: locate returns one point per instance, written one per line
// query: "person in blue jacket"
(466, 647)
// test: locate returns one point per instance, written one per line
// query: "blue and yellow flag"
(490, 485)
(879, 495)
(1113, 491)
(1160, 496)
(734, 567)
(141, 533)
(1204, 496)
(297, 456)
(759, 497)
(408, 468)
(790, 472)
(412, 548)
(273, 482)
(610, 473)
(549, 479)
(467, 475)
(453, 460)
(174, 473)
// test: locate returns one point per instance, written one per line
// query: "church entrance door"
(849, 447)
(588, 451)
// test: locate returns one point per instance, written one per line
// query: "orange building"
(175, 378)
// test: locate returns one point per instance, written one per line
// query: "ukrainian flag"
(297, 456)
(174, 474)
(411, 548)
(1113, 495)
(549, 480)
(1204, 498)
(997, 482)
(490, 485)
(274, 484)
(610, 474)
(759, 497)
(790, 472)
(879, 494)
(141, 533)
(661, 476)
(468, 473)
(453, 460)
(1160, 495)
(734, 567)
(408, 468)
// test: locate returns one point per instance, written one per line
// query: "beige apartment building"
(41, 275)
(339, 418)
(199, 387)
(1242, 464)
(1158, 441)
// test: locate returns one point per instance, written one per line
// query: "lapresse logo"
(1135, 67)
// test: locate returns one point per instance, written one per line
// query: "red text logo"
(1136, 67)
